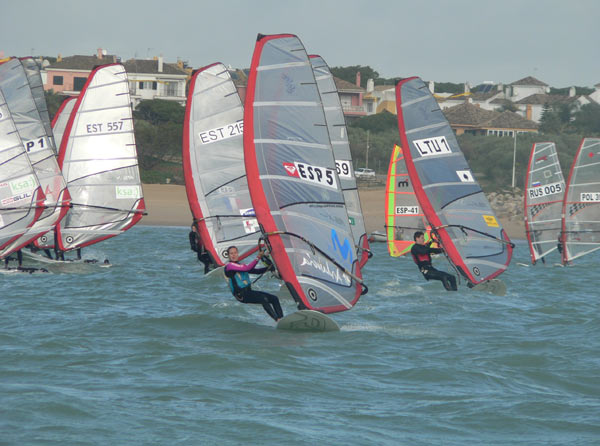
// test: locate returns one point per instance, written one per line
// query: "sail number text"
(432, 146)
(542, 191)
(343, 168)
(100, 127)
(590, 196)
(314, 174)
(227, 131)
(407, 210)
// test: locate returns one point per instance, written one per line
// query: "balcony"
(354, 110)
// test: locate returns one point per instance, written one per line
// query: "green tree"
(158, 111)
(53, 101)
(377, 123)
(349, 73)
(587, 119)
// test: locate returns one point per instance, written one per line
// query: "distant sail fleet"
(274, 171)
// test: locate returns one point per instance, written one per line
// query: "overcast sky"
(556, 41)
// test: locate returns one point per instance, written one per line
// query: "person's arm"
(420, 249)
(241, 268)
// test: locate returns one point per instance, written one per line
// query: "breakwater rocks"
(507, 204)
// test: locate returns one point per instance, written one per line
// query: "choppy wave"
(151, 352)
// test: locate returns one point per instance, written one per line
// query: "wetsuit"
(422, 256)
(239, 283)
(198, 248)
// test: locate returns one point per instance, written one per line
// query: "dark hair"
(231, 247)
(417, 235)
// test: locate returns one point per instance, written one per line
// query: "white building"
(155, 79)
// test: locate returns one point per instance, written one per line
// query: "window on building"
(57, 80)
(78, 83)
(155, 85)
(369, 107)
(171, 89)
(141, 85)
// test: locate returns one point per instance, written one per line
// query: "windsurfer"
(559, 244)
(239, 283)
(197, 246)
(421, 253)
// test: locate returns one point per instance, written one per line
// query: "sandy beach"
(168, 206)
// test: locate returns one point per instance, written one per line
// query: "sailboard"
(21, 196)
(294, 186)
(581, 206)
(98, 158)
(307, 320)
(213, 165)
(543, 201)
(338, 135)
(403, 214)
(452, 200)
(39, 147)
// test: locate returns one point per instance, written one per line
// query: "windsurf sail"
(338, 135)
(544, 194)
(581, 206)
(98, 158)
(21, 197)
(46, 241)
(32, 70)
(213, 165)
(403, 214)
(59, 123)
(452, 200)
(39, 148)
(294, 186)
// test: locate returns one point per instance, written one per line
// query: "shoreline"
(167, 205)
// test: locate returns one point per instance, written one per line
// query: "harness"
(423, 262)
(238, 282)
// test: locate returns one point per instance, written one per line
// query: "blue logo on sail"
(345, 249)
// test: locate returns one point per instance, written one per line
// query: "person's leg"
(448, 280)
(266, 300)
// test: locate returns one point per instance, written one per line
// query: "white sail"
(581, 206)
(98, 158)
(21, 197)
(213, 165)
(39, 147)
(59, 123)
(544, 193)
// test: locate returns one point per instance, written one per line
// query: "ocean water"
(150, 352)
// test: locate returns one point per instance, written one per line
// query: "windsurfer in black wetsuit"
(421, 253)
(559, 245)
(238, 276)
(197, 246)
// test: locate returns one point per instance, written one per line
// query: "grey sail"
(338, 135)
(213, 165)
(581, 206)
(39, 147)
(32, 70)
(452, 200)
(98, 157)
(544, 194)
(294, 186)
(21, 197)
